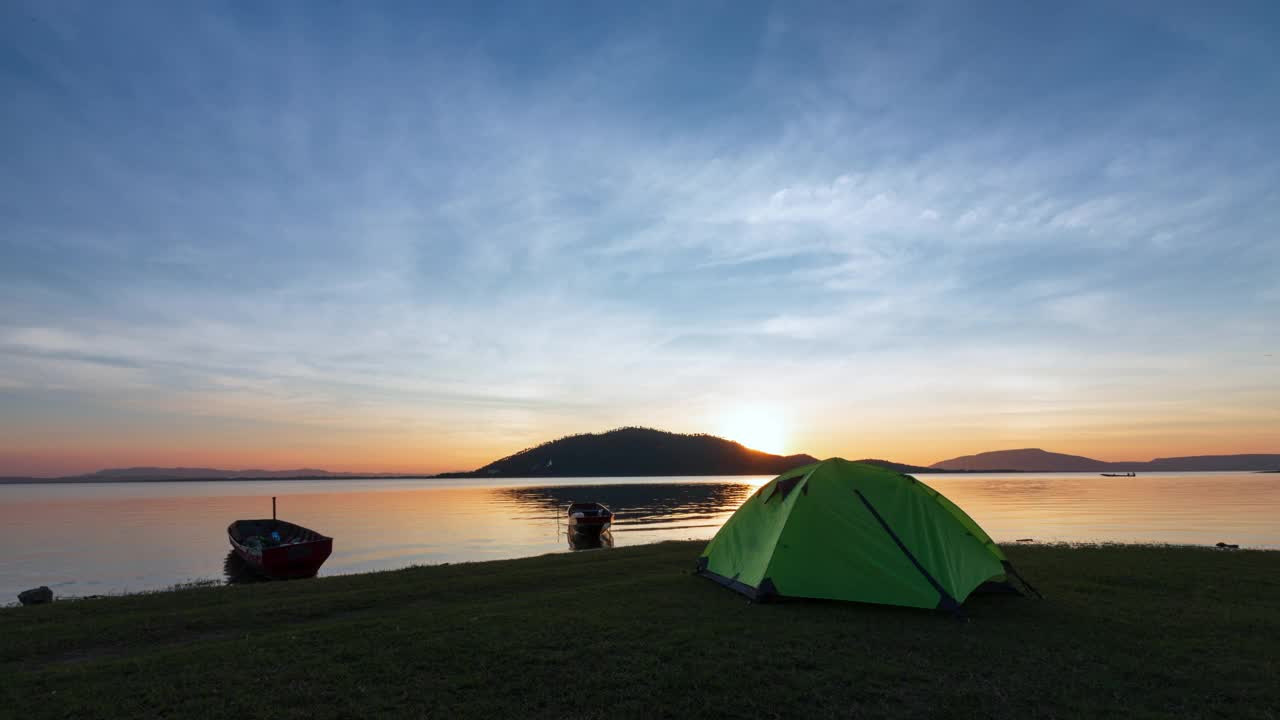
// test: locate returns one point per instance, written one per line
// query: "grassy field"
(1122, 632)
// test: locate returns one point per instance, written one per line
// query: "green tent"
(840, 530)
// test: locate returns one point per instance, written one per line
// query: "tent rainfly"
(840, 530)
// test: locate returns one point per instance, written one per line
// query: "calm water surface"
(85, 539)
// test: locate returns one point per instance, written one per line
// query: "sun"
(756, 428)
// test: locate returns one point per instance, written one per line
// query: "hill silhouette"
(900, 467)
(1025, 460)
(186, 473)
(1211, 462)
(1037, 460)
(638, 451)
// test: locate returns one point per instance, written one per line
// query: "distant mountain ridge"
(1025, 460)
(1037, 460)
(163, 474)
(638, 451)
(1192, 463)
(897, 466)
(184, 473)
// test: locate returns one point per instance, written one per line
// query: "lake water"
(86, 539)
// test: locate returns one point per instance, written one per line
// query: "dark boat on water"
(1128, 474)
(279, 549)
(589, 517)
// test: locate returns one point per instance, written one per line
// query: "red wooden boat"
(279, 549)
(589, 517)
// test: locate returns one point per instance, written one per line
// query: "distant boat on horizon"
(1128, 474)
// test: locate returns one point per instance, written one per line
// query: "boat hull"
(589, 541)
(589, 525)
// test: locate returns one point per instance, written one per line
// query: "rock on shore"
(36, 596)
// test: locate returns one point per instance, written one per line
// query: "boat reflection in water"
(589, 540)
(645, 512)
(238, 572)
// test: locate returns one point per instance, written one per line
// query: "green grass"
(1122, 632)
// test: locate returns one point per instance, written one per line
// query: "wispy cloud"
(492, 229)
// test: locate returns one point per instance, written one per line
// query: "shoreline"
(465, 476)
(634, 627)
(204, 583)
(9, 601)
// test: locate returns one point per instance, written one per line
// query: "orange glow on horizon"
(427, 458)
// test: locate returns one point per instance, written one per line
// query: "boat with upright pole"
(278, 549)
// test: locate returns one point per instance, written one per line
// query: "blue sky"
(415, 235)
